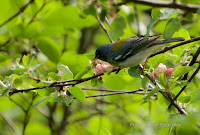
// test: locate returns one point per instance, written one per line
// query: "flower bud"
(99, 69)
(161, 68)
(169, 72)
(60, 73)
(155, 75)
(109, 68)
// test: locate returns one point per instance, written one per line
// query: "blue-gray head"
(104, 51)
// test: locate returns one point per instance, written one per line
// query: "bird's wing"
(125, 48)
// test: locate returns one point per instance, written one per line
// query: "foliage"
(49, 86)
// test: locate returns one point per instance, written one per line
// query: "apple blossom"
(169, 71)
(161, 68)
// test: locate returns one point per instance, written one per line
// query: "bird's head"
(103, 52)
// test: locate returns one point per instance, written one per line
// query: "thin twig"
(167, 4)
(174, 46)
(106, 90)
(40, 9)
(85, 118)
(21, 10)
(60, 83)
(27, 116)
(117, 93)
(10, 123)
(23, 109)
(104, 28)
(193, 61)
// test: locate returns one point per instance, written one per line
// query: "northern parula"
(130, 51)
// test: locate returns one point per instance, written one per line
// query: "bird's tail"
(163, 41)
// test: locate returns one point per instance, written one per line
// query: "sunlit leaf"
(184, 99)
(145, 82)
(77, 93)
(67, 74)
(151, 93)
(167, 12)
(182, 70)
(83, 72)
(40, 101)
(25, 60)
(105, 131)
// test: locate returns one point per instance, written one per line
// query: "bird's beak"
(94, 60)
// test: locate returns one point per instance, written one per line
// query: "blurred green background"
(48, 33)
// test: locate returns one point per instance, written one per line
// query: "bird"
(131, 51)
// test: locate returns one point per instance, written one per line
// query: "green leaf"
(77, 93)
(38, 102)
(54, 76)
(184, 99)
(90, 10)
(167, 12)
(67, 74)
(68, 100)
(145, 82)
(134, 71)
(150, 25)
(195, 96)
(198, 11)
(49, 48)
(156, 89)
(90, 56)
(182, 70)
(155, 13)
(105, 131)
(96, 82)
(172, 26)
(3, 30)
(46, 91)
(83, 72)
(34, 67)
(25, 60)
(69, 17)
(6, 90)
(117, 27)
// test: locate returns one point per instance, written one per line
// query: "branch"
(105, 30)
(193, 61)
(167, 4)
(193, 75)
(60, 83)
(40, 9)
(23, 109)
(21, 10)
(117, 93)
(85, 118)
(10, 123)
(182, 111)
(174, 46)
(27, 116)
(106, 90)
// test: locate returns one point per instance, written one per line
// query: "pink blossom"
(109, 67)
(155, 75)
(99, 69)
(60, 73)
(169, 71)
(161, 68)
